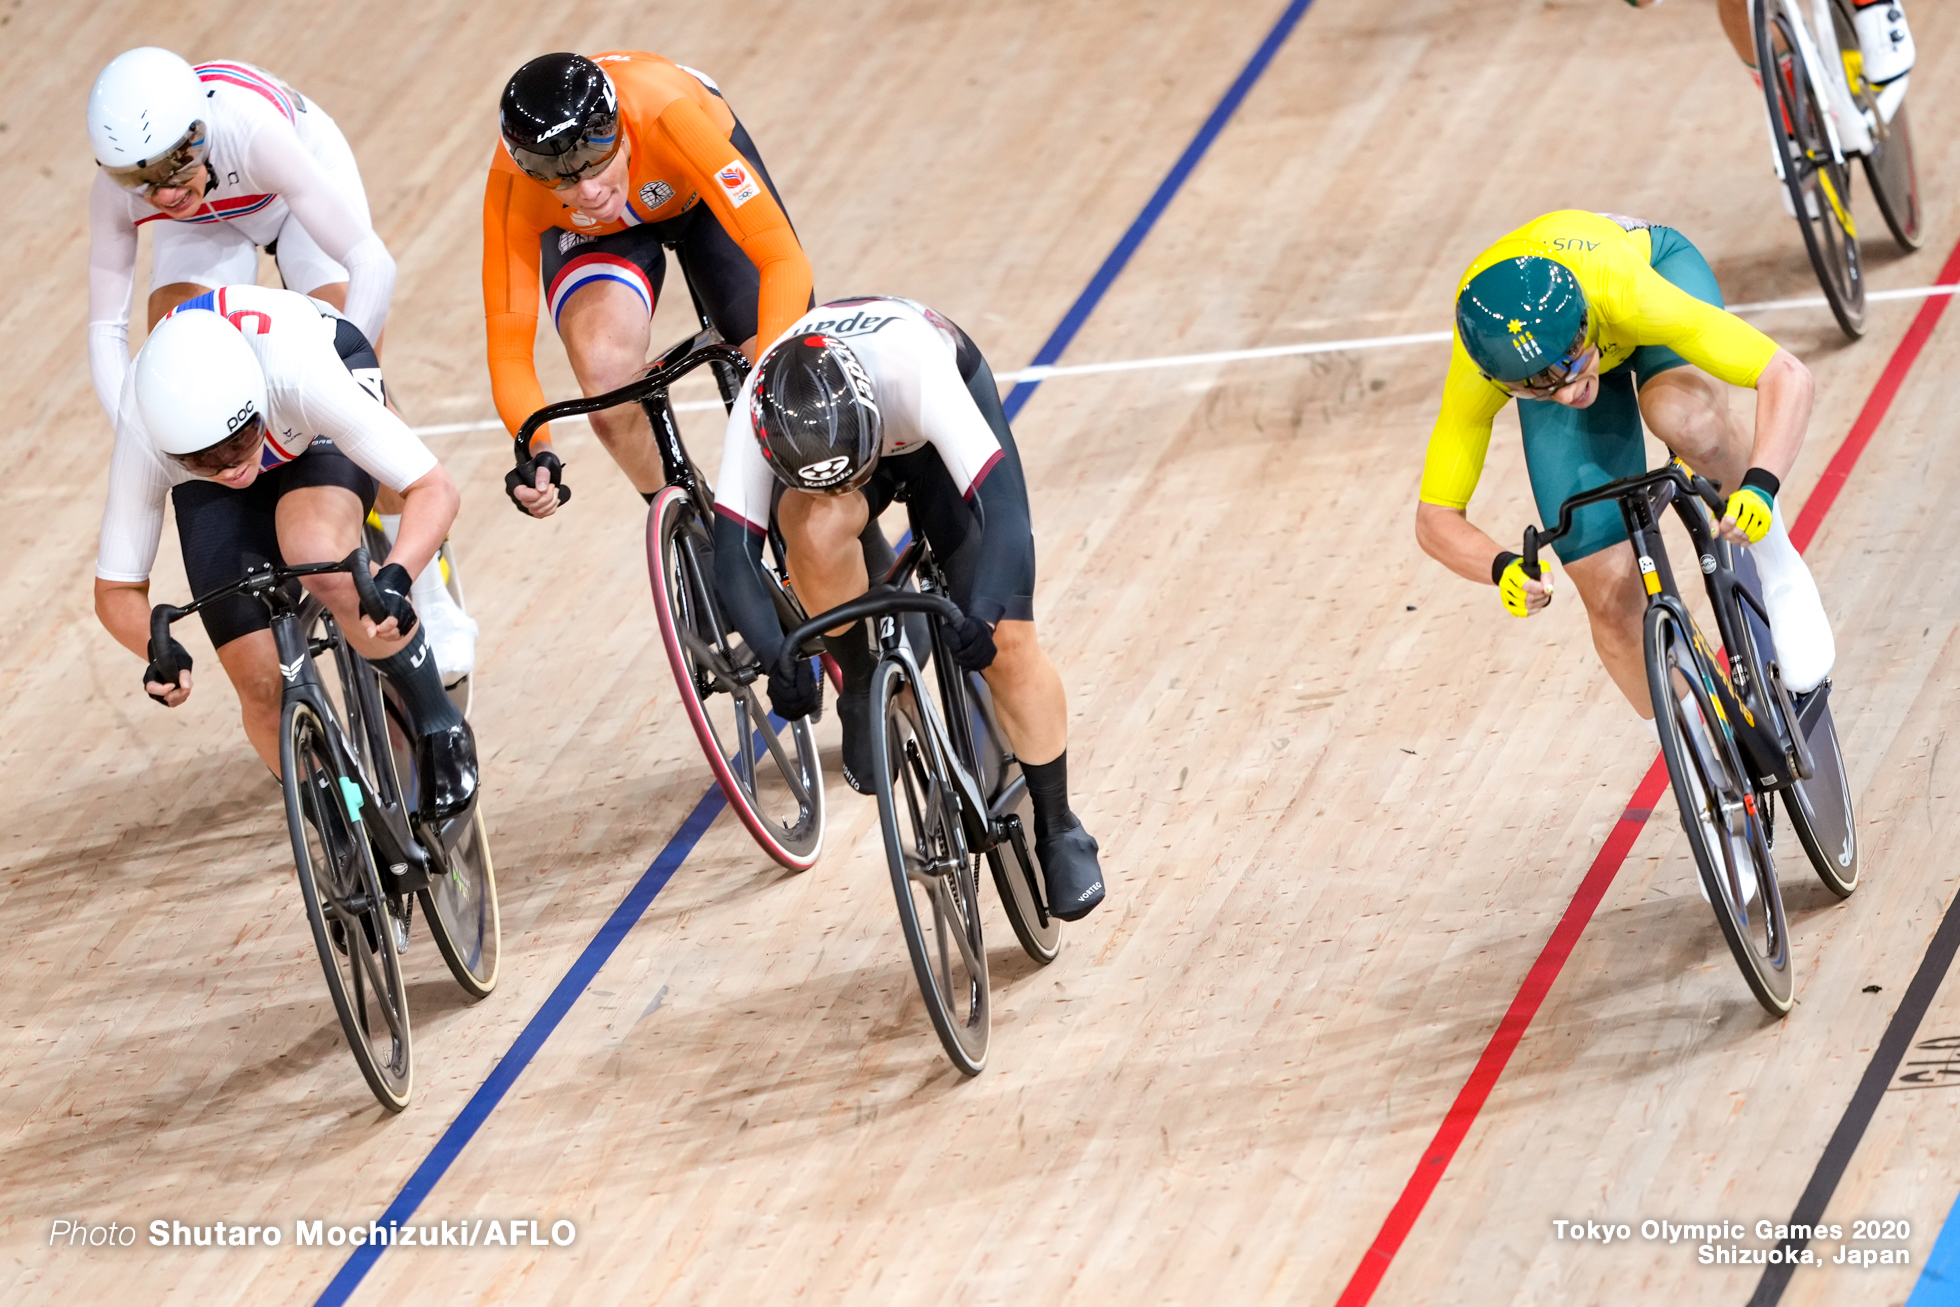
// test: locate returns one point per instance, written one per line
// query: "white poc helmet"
(198, 383)
(143, 107)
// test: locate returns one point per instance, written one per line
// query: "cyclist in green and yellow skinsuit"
(1594, 323)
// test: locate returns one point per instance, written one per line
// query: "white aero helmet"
(147, 118)
(199, 387)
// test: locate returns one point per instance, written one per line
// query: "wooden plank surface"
(1342, 797)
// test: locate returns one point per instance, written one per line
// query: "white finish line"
(1245, 355)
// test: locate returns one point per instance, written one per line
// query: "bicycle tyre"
(1011, 862)
(460, 907)
(781, 803)
(1819, 188)
(1890, 167)
(1821, 811)
(342, 887)
(1714, 798)
(932, 872)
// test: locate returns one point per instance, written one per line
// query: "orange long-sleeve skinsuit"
(677, 135)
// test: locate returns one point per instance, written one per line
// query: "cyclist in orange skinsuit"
(604, 162)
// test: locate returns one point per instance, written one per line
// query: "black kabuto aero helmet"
(815, 415)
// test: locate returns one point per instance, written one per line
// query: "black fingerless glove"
(164, 670)
(798, 695)
(971, 644)
(393, 582)
(526, 474)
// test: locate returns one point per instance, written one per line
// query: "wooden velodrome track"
(1342, 798)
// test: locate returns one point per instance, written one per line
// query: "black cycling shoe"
(1068, 863)
(854, 714)
(445, 771)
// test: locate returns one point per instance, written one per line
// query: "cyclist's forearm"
(428, 508)
(1783, 396)
(123, 607)
(1447, 536)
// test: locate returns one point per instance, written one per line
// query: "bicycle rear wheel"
(352, 928)
(1012, 862)
(1820, 808)
(1719, 812)
(933, 876)
(769, 774)
(1819, 187)
(460, 906)
(1889, 167)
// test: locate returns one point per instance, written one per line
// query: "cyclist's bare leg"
(252, 663)
(320, 524)
(1689, 411)
(826, 562)
(606, 331)
(165, 298)
(1028, 694)
(1735, 25)
(1616, 604)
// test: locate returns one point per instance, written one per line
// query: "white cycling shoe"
(452, 632)
(1805, 648)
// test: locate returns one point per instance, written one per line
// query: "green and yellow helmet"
(1522, 315)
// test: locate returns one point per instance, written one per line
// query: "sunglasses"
(235, 450)
(589, 155)
(171, 168)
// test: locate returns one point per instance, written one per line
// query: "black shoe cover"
(854, 714)
(445, 767)
(1068, 863)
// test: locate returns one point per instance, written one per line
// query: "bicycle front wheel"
(1819, 186)
(353, 929)
(933, 876)
(1719, 812)
(769, 774)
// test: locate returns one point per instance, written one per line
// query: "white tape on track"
(1265, 352)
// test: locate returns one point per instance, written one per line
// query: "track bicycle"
(1734, 737)
(1823, 113)
(767, 769)
(950, 792)
(362, 850)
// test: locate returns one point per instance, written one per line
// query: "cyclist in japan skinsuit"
(262, 409)
(860, 402)
(605, 161)
(218, 161)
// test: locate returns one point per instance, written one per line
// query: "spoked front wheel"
(1719, 812)
(1819, 185)
(1012, 861)
(769, 774)
(933, 876)
(353, 929)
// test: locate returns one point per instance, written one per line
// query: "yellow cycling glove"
(1749, 507)
(1507, 569)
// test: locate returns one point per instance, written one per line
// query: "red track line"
(1537, 984)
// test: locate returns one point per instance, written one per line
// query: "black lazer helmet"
(560, 119)
(815, 415)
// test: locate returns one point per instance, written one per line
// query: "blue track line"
(634, 906)
(512, 1064)
(1085, 304)
(1939, 1283)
